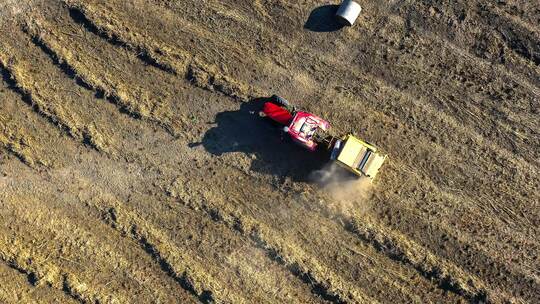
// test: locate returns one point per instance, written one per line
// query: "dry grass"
(134, 168)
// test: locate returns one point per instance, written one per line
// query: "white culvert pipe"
(348, 12)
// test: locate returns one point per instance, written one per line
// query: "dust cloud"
(349, 194)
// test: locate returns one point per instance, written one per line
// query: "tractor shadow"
(323, 19)
(272, 151)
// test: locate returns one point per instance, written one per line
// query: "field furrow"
(22, 130)
(15, 287)
(101, 75)
(267, 221)
(55, 93)
(54, 263)
(202, 71)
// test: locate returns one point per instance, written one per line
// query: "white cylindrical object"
(348, 12)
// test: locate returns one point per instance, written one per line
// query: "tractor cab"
(304, 127)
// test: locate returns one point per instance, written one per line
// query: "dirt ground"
(134, 167)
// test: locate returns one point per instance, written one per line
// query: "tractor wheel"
(282, 102)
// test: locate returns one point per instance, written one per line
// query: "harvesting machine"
(310, 132)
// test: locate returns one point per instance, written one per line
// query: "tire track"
(511, 107)
(495, 24)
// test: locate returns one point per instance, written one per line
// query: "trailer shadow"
(323, 19)
(272, 151)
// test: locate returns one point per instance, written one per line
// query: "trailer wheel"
(335, 150)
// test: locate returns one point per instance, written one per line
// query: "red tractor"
(301, 126)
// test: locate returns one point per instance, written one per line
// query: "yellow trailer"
(359, 157)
